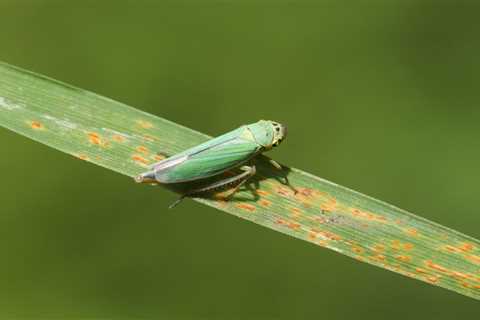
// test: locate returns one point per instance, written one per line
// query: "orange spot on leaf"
(142, 149)
(296, 212)
(432, 279)
(357, 249)
(330, 205)
(36, 125)
(245, 206)
(466, 246)
(265, 203)
(139, 159)
(367, 215)
(82, 157)
(118, 138)
(473, 258)
(378, 248)
(431, 265)
(159, 157)
(408, 246)
(95, 138)
(262, 192)
(404, 258)
(145, 124)
(149, 138)
(420, 270)
(294, 225)
(412, 232)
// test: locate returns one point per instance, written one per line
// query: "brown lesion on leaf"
(295, 212)
(82, 156)
(378, 258)
(408, 246)
(403, 258)
(330, 235)
(118, 138)
(246, 207)
(367, 215)
(262, 193)
(95, 139)
(433, 279)
(330, 205)
(412, 232)
(142, 149)
(149, 138)
(36, 125)
(265, 203)
(145, 124)
(139, 159)
(357, 249)
(473, 258)
(159, 157)
(378, 247)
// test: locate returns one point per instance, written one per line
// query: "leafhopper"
(234, 149)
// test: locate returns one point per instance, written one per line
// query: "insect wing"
(208, 161)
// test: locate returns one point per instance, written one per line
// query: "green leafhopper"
(228, 151)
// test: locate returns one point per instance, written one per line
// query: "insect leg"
(275, 164)
(279, 167)
(242, 177)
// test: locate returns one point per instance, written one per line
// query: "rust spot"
(280, 221)
(408, 246)
(357, 249)
(262, 192)
(159, 157)
(473, 258)
(145, 124)
(149, 138)
(142, 149)
(359, 258)
(396, 244)
(330, 205)
(118, 138)
(420, 270)
(265, 203)
(245, 206)
(82, 156)
(461, 275)
(367, 215)
(293, 225)
(283, 192)
(431, 265)
(296, 212)
(378, 247)
(36, 125)
(404, 258)
(432, 279)
(95, 138)
(312, 235)
(412, 232)
(466, 247)
(139, 158)
(330, 235)
(322, 243)
(378, 257)
(452, 249)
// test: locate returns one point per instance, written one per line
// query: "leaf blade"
(124, 139)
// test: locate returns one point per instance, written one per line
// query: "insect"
(228, 151)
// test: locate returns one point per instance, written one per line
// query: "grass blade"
(124, 139)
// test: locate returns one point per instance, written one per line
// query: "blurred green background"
(379, 96)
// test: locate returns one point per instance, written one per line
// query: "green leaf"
(126, 140)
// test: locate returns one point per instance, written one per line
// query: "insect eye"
(278, 129)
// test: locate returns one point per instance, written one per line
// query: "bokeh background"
(379, 96)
